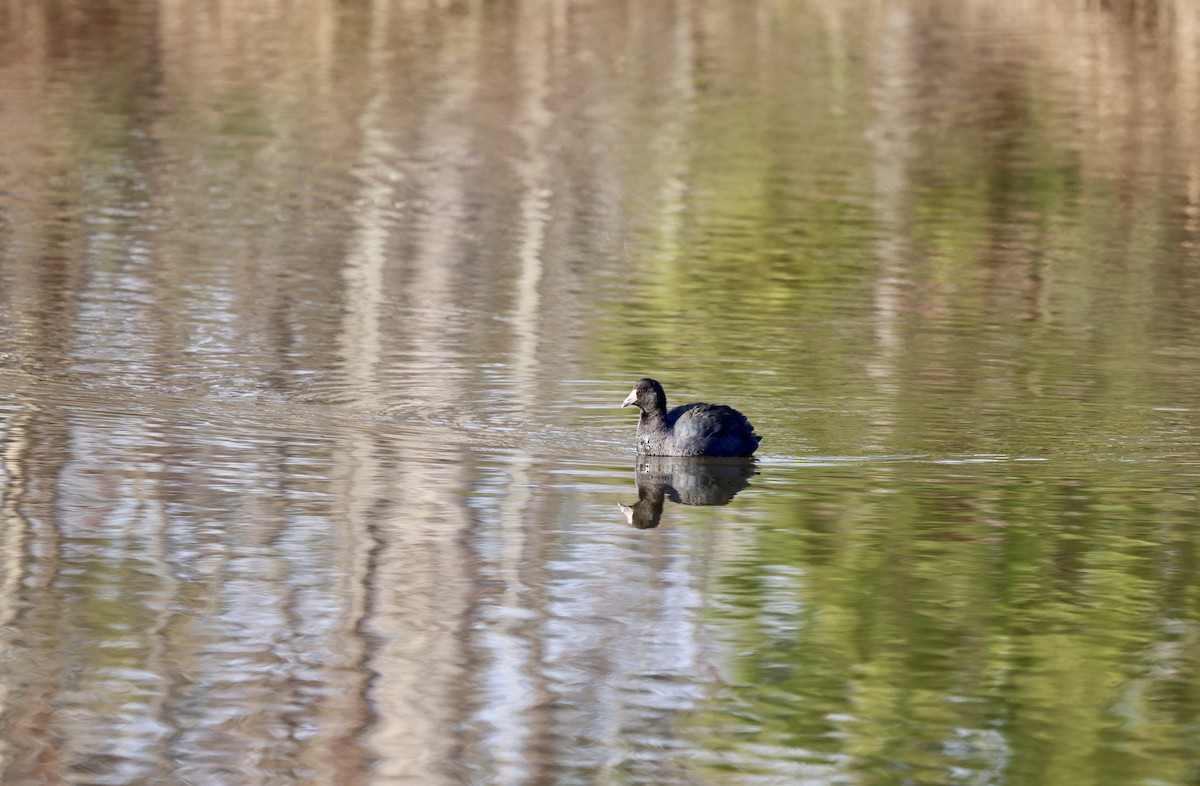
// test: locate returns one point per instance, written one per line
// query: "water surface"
(315, 319)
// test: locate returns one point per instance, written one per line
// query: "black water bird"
(690, 430)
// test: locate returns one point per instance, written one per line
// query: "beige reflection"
(441, 690)
(514, 678)
(895, 80)
(14, 439)
(418, 590)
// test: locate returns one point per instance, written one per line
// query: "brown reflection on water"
(172, 609)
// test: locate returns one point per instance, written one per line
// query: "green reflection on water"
(1027, 622)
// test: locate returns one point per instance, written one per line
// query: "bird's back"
(711, 430)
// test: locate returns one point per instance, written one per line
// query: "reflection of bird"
(690, 430)
(686, 481)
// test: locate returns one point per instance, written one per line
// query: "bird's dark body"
(689, 430)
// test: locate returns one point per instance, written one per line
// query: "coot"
(690, 430)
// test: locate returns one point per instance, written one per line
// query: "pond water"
(315, 321)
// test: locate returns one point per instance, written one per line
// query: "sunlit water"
(316, 319)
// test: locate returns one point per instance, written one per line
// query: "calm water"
(315, 319)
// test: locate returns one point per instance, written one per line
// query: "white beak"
(630, 399)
